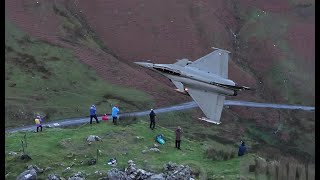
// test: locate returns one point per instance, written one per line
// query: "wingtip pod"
(210, 120)
(220, 49)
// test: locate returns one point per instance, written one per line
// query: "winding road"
(183, 106)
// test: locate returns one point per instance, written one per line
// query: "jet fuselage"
(194, 78)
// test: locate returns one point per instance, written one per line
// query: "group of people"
(178, 131)
(115, 110)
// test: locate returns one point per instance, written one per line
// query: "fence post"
(97, 155)
(22, 146)
(25, 139)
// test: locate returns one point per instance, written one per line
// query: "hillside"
(63, 56)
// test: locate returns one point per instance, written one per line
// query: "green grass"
(52, 146)
(273, 27)
(263, 25)
(49, 80)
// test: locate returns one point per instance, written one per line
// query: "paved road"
(184, 106)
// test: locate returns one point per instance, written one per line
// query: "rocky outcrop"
(172, 171)
(77, 176)
(53, 177)
(36, 168)
(28, 175)
(115, 174)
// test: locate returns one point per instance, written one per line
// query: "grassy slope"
(52, 146)
(286, 76)
(273, 26)
(42, 78)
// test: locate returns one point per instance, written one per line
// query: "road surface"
(184, 106)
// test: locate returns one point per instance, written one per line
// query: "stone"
(115, 174)
(35, 167)
(92, 162)
(67, 169)
(48, 168)
(25, 157)
(93, 138)
(53, 177)
(28, 175)
(157, 177)
(12, 153)
(77, 176)
(154, 150)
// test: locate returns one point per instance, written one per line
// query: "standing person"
(38, 122)
(242, 149)
(152, 115)
(115, 111)
(93, 114)
(178, 137)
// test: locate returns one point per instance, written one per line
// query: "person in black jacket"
(242, 149)
(152, 119)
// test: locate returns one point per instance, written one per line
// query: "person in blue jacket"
(114, 114)
(93, 114)
(242, 149)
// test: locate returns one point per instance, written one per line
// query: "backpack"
(105, 118)
(160, 139)
(37, 121)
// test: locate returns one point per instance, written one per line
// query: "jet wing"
(210, 103)
(179, 85)
(216, 62)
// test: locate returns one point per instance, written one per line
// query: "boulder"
(53, 177)
(77, 176)
(115, 174)
(12, 153)
(35, 167)
(93, 138)
(177, 171)
(154, 150)
(92, 162)
(28, 175)
(25, 157)
(157, 177)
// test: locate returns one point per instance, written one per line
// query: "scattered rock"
(25, 157)
(92, 162)
(155, 145)
(12, 153)
(138, 137)
(93, 138)
(35, 167)
(115, 174)
(99, 173)
(70, 155)
(77, 176)
(175, 171)
(151, 150)
(172, 172)
(53, 177)
(154, 150)
(67, 169)
(48, 168)
(157, 177)
(28, 175)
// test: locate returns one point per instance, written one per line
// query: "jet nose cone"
(144, 64)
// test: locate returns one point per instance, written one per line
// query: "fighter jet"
(205, 80)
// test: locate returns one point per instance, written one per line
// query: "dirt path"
(184, 106)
